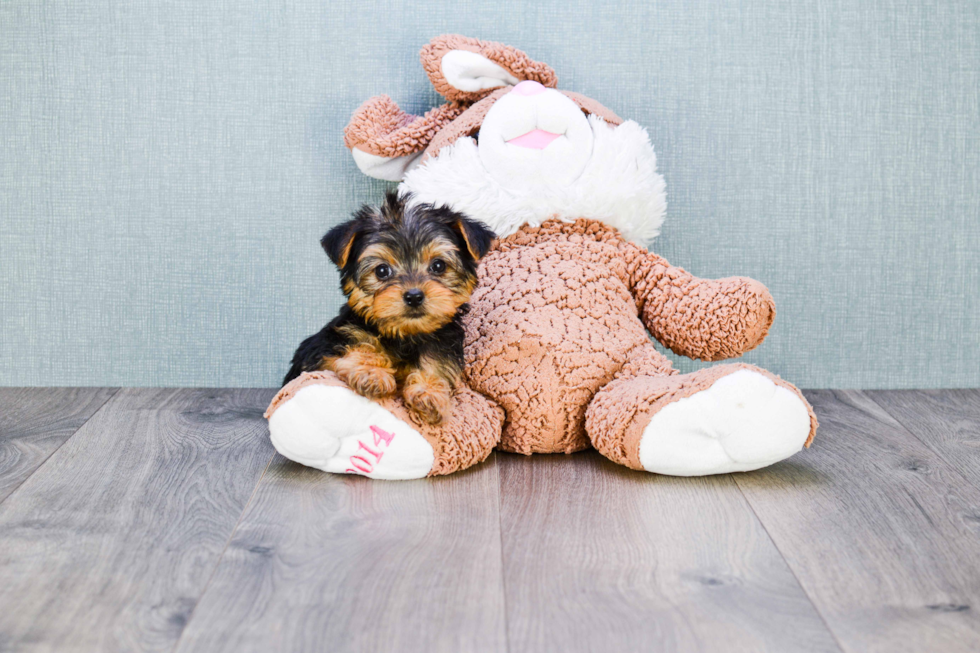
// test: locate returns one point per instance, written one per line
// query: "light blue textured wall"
(166, 169)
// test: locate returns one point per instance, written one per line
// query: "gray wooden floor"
(161, 520)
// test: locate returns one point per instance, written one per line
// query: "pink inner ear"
(536, 139)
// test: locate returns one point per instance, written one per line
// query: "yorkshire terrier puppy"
(407, 273)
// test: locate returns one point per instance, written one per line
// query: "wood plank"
(946, 421)
(323, 562)
(601, 558)
(109, 545)
(34, 422)
(882, 533)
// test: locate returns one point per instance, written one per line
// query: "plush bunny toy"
(558, 357)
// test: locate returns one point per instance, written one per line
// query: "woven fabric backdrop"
(167, 168)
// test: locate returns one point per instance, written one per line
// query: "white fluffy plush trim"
(619, 186)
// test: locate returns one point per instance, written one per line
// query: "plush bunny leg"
(727, 418)
(316, 420)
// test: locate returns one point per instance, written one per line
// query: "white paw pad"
(742, 422)
(337, 430)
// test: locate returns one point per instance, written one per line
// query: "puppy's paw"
(366, 371)
(429, 398)
(371, 382)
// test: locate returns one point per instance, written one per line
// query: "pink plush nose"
(527, 87)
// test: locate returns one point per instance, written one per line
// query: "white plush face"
(617, 183)
(533, 137)
(537, 156)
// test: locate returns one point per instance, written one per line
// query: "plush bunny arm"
(707, 319)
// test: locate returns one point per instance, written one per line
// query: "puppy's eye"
(437, 266)
(382, 272)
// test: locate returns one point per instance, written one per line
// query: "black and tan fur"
(407, 273)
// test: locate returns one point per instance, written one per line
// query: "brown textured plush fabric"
(381, 128)
(464, 439)
(511, 59)
(709, 319)
(563, 308)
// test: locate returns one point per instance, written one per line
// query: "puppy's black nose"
(414, 297)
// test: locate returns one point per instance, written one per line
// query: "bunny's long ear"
(385, 141)
(590, 106)
(465, 70)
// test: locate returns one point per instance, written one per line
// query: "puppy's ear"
(476, 235)
(339, 241)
